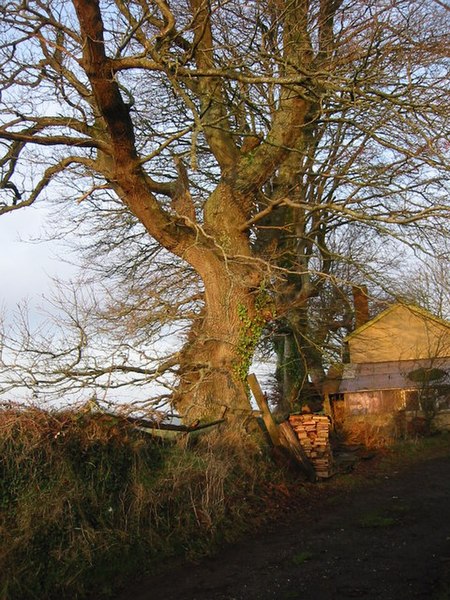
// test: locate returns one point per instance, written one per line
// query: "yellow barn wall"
(400, 335)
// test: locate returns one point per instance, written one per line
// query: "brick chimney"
(361, 304)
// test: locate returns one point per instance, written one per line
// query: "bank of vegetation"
(87, 500)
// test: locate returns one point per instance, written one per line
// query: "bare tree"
(210, 121)
(426, 283)
(359, 156)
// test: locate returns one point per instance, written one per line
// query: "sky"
(27, 265)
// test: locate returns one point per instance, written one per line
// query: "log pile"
(313, 432)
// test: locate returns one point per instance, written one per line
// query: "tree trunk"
(216, 358)
(290, 370)
(299, 372)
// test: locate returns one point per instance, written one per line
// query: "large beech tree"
(239, 135)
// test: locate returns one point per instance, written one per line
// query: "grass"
(87, 501)
(301, 557)
(377, 520)
(420, 448)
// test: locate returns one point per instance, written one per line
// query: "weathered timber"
(261, 401)
(290, 441)
(167, 431)
(281, 435)
(312, 432)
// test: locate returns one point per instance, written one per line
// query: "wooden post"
(283, 434)
(261, 401)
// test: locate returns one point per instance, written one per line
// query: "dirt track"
(389, 540)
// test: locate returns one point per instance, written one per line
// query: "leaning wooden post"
(261, 401)
(290, 441)
(283, 434)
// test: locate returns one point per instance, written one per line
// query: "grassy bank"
(87, 500)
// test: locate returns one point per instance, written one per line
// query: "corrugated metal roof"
(385, 376)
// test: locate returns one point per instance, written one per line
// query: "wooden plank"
(290, 441)
(261, 401)
(173, 434)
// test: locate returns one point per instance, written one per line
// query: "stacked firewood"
(313, 432)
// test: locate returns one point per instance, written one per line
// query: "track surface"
(389, 540)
